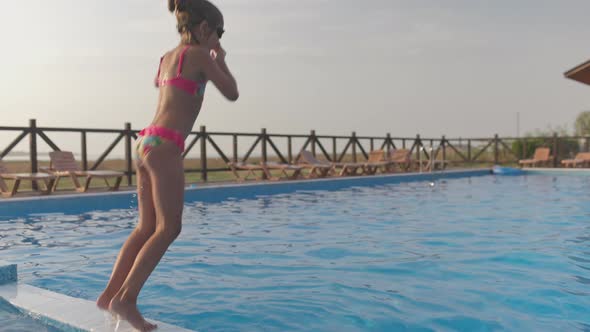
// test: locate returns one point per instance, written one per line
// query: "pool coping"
(62, 311)
(212, 193)
(201, 187)
(547, 170)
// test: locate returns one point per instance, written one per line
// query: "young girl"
(183, 73)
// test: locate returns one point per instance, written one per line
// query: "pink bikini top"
(190, 87)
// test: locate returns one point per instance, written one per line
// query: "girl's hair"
(190, 13)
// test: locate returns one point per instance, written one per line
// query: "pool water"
(484, 253)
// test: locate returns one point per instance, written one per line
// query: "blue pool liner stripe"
(8, 273)
(81, 203)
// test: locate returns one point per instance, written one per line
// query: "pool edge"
(65, 312)
(81, 203)
(8, 273)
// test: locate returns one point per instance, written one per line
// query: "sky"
(458, 68)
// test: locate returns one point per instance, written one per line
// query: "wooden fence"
(331, 148)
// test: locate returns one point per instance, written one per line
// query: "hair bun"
(177, 5)
(181, 5)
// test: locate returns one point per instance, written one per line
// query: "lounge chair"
(264, 168)
(250, 169)
(541, 157)
(376, 162)
(63, 164)
(283, 168)
(401, 158)
(317, 168)
(47, 180)
(346, 169)
(581, 159)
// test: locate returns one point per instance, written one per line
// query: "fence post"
(334, 153)
(203, 139)
(263, 144)
(444, 149)
(33, 149)
(263, 147)
(84, 152)
(496, 156)
(290, 149)
(372, 144)
(388, 144)
(312, 138)
(353, 140)
(469, 151)
(235, 147)
(555, 149)
(418, 144)
(128, 158)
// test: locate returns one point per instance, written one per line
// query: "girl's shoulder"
(194, 50)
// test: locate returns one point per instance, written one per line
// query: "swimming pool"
(469, 253)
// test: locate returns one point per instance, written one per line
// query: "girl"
(183, 73)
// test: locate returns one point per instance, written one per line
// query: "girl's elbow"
(233, 96)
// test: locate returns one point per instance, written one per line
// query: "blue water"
(487, 253)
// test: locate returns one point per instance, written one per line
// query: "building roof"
(580, 73)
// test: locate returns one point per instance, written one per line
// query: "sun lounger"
(581, 159)
(346, 169)
(46, 179)
(541, 157)
(258, 171)
(283, 168)
(316, 168)
(250, 169)
(63, 164)
(376, 162)
(400, 158)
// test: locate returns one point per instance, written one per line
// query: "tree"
(582, 125)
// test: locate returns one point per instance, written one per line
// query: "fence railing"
(354, 148)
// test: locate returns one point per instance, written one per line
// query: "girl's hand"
(218, 53)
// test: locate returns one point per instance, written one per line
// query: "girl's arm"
(218, 72)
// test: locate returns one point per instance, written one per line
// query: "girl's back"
(182, 81)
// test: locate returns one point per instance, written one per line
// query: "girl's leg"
(164, 164)
(142, 232)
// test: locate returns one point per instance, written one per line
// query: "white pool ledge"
(60, 310)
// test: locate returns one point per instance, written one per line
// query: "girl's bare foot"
(103, 301)
(128, 311)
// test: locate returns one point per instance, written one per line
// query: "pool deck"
(61, 311)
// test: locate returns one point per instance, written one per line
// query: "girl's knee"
(145, 231)
(170, 230)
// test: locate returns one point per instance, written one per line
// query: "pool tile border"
(8, 273)
(81, 203)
